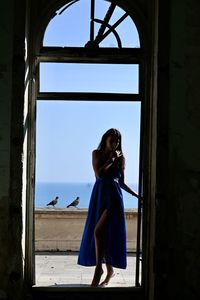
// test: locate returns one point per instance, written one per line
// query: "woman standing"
(104, 235)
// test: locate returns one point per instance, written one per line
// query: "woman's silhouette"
(104, 235)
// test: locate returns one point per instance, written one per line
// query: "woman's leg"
(110, 274)
(99, 247)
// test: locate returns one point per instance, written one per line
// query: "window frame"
(70, 55)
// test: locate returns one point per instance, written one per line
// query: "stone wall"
(61, 229)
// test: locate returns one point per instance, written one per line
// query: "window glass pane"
(66, 134)
(60, 77)
(71, 28)
(126, 30)
(132, 38)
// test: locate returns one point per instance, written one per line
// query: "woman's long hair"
(116, 135)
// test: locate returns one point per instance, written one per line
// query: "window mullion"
(88, 96)
(87, 55)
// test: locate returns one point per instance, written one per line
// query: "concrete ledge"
(60, 229)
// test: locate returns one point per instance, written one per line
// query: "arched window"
(91, 52)
(86, 23)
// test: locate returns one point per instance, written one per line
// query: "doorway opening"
(66, 134)
(117, 61)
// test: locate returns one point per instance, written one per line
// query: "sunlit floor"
(61, 269)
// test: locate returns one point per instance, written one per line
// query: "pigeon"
(75, 202)
(53, 202)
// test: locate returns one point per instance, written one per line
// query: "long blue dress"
(106, 193)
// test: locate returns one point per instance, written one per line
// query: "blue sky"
(68, 131)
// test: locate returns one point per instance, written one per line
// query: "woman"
(104, 235)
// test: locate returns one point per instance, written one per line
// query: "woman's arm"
(98, 168)
(125, 187)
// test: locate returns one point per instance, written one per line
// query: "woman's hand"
(118, 153)
(140, 198)
(115, 155)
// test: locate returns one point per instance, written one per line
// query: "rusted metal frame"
(105, 22)
(139, 219)
(92, 20)
(88, 96)
(30, 176)
(88, 55)
(112, 27)
(138, 281)
(113, 31)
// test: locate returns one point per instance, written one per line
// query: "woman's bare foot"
(109, 275)
(97, 276)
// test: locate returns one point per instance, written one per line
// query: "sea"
(67, 192)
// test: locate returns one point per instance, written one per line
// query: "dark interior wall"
(177, 260)
(6, 33)
(12, 26)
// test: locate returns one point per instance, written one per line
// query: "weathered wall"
(177, 261)
(62, 229)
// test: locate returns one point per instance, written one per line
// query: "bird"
(53, 202)
(75, 202)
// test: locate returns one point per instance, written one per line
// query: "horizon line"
(75, 182)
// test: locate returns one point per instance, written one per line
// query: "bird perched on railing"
(53, 202)
(75, 202)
